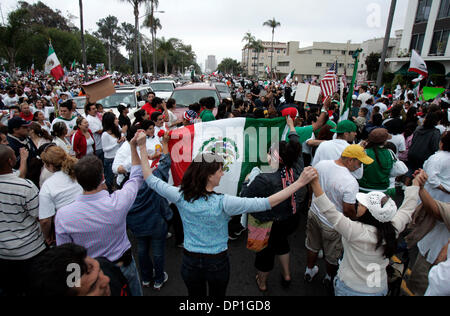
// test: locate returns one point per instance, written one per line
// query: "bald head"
(7, 159)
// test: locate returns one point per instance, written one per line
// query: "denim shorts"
(340, 289)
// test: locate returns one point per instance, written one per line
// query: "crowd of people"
(74, 185)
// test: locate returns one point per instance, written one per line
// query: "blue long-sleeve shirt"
(205, 221)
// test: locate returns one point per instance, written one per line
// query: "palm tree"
(258, 47)
(249, 38)
(272, 24)
(166, 49)
(136, 4)
(153, 24)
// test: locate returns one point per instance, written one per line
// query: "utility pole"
(83, 46)
(386, 43)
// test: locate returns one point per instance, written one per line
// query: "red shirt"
(27, 118)
(149, 109)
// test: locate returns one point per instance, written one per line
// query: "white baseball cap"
(373, 201)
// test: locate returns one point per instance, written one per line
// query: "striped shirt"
(98, 221)
(20, 234)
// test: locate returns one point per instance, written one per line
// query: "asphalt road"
(242, 279)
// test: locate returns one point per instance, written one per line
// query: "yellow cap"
(358, 152)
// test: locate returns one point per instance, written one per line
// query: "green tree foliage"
(13, 36)
(230, 66)
(373, 63)
(41, 15)
(109, 33)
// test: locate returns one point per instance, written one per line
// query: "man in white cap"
(341, 186)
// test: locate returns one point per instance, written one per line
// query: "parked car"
(136, 97)
(163, 88)
(224, 90)
(193, 93)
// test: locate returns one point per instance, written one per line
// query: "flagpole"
(348, 103)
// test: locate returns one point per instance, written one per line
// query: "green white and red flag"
(243, 144)
(52, 65)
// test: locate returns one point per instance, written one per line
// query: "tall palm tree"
(258, 47)
(272, 24)
(249, 38)
(153, 24)
(136, 4)
(165, 49)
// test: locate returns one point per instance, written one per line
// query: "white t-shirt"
(332, 150)
(399, 142)
(57, 191)
(90, 146)
(363, 97)
(439, 279)
(339, 185)
(64, 144)
(110, 145)
(172, 119)
(8, 101)
(69, 123)
(382, 106)
(95, 125)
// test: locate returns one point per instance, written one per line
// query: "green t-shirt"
(207, 116)
(304, 133)
(376, 175)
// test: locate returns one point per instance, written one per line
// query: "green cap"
(345, 127)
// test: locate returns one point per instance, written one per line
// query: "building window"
(444, 11)
(327, 52)
(340, 65)
(318, 64)
(417, 42)
(351, 52)
(283, 64)
(343, 52)
(351, 65)
(329, 65)
(439, 43)
(423, 11)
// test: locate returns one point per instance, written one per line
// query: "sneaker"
(146, 284)
(181, 245)
(158, 286)
(320, 255)
(169, 235)
(327, 281)
(311, 273)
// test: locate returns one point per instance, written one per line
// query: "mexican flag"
(52, 65)
(418, 65)
(289, 77)
(32, 70)
(72, 67)
(242, 142)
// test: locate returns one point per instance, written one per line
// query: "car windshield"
(163, 87)
(222, 89)
(114, 100)
(185, 98)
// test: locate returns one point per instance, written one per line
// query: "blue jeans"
(202, 273)
(109, 176)
(145, 262)
(340, 289)
(130, 273)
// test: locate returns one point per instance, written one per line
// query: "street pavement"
(242, 277)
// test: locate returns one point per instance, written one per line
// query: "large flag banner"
(243, 144)
(418, 65)
(329, 83)
(52, 65)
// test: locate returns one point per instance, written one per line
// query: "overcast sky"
(216, 27)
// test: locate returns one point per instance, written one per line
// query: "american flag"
(329, 83)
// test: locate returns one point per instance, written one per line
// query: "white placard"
(313, 93)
